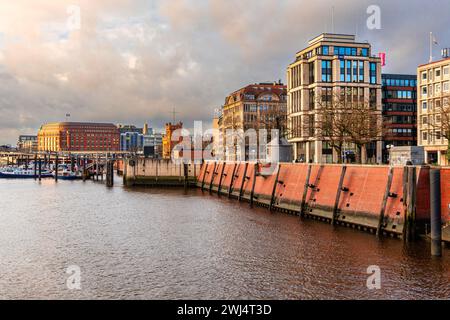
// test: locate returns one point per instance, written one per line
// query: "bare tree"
(442, 120)
(340, 122)
(331, 123)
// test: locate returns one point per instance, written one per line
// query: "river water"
(167, 244)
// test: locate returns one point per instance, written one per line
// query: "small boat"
(64, 173)
(21, 173)
(68, 175)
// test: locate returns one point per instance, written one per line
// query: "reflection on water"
(167, 244)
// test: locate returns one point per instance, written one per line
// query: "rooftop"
(434, 62)
(332, 37)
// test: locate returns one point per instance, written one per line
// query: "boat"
(22, 173)
(64, 173)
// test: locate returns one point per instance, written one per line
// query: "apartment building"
(256, 106)
(332, 65)
(433, 110)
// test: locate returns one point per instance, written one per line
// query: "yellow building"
(433, 100)
(167, 142)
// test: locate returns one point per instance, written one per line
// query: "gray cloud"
(133, 61)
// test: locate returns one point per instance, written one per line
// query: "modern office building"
(27, 143)
(433, 110)
(333, 65)
(153, 144)
(125, 128)
(131, 142)
(399, 111)
(78, 136)
(256, 106)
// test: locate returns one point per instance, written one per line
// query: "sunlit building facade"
(433, 97)
(332, 65)
(78, 136)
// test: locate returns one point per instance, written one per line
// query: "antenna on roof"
(332, 19)
(174, 115)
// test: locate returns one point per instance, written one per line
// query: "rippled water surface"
(166, 244)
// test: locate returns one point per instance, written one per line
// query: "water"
(165, 244)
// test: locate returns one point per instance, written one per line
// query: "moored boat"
(20, 173)
(64, 173)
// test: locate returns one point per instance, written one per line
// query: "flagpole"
(431, 47)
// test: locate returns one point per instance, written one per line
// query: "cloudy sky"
(131, 61)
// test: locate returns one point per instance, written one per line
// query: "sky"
(135, 61)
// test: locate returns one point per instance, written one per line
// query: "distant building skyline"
(129, 61)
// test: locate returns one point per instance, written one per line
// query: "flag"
(435, 41)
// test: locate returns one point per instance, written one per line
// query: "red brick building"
(78, 136)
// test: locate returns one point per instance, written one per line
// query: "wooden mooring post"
(35, 166)
(40, 170)
(56, 167)
(110, 173)
(435, 214)
(409, 231)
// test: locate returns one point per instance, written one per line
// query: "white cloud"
(134, 60)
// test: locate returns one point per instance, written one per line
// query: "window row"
(399, 94)
(399, 82)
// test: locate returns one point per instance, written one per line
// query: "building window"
(361, 71)
(424, 75)
(424, 120)
(327, 95)
(424, 136)
(373, 98)
(312, 99)
(424, 105)
(438, 135)
(424, 91)
(437, 88)
(373, 73)
(355, 71)
(312, 77)
(446, 87)
(325, 50)
(326, 71)
(342, 70)
(446, 71)
(438, 73)
(348, 77)
(365, 52)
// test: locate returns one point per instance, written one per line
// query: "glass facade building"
(399, 111)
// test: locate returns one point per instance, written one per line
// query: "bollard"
(435, 206)
(409, 231)
(35, 166)
(186, 175)
(40, 169)
(56, 168)
(83, 173)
